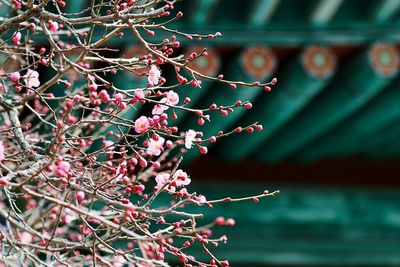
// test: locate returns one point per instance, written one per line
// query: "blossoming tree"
(80, 181)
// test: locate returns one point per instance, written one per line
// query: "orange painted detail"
(384, 58)
(319, 61)
(259, 62)
(208, 65)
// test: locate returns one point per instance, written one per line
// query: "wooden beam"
(368, 124)
(308, 74)
(325, 11)
(387, 9)
(303, 226)
(254, 63)
(202, 11)
(370, 73)
(263, 11)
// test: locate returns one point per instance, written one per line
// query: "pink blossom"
(183, 192)
(72, 119)
(3, 181)
(32, 26)
(80, 195)
(109, 145)
(124, 179)
(17, 38)
(131, 2)
(2, 156)
(122, 105)
(31, 78)
(142, 125)
(189, 138)
(118, 97)
(230, 222)
(139, 94)
(161, 179)
(159, 109)
(181, 178)
(172, 98)
(53, 26)
(104, 96)
(120, 171)
(154, 75)
(200, 199)
(155, 147)
(77, 98)
(69, 216)
(62, 168)
(25, 237)
(203, 150)
(118, 261)
(156, 164)
(169, 144)
(92, 87)
(31, 204)
(143, 162)
(15, 76)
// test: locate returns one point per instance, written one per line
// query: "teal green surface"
(320, 117)
(5, 9)
(222, 94)
(345, 96)
(383, 143)
(355, 112)
(308, 226)
(275, 110)
(352, 135)
(76, 6)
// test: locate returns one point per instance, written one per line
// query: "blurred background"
(331, 127)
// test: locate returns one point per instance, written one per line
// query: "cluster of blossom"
(81, 182)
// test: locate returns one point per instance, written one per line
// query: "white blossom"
(154, 75)
(31, 78)
(189, 138)
(155, 147)
(181, 178)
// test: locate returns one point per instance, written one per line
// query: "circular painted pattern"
(319, 61)
(208, 65)
(384, 58)
(259, 62)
